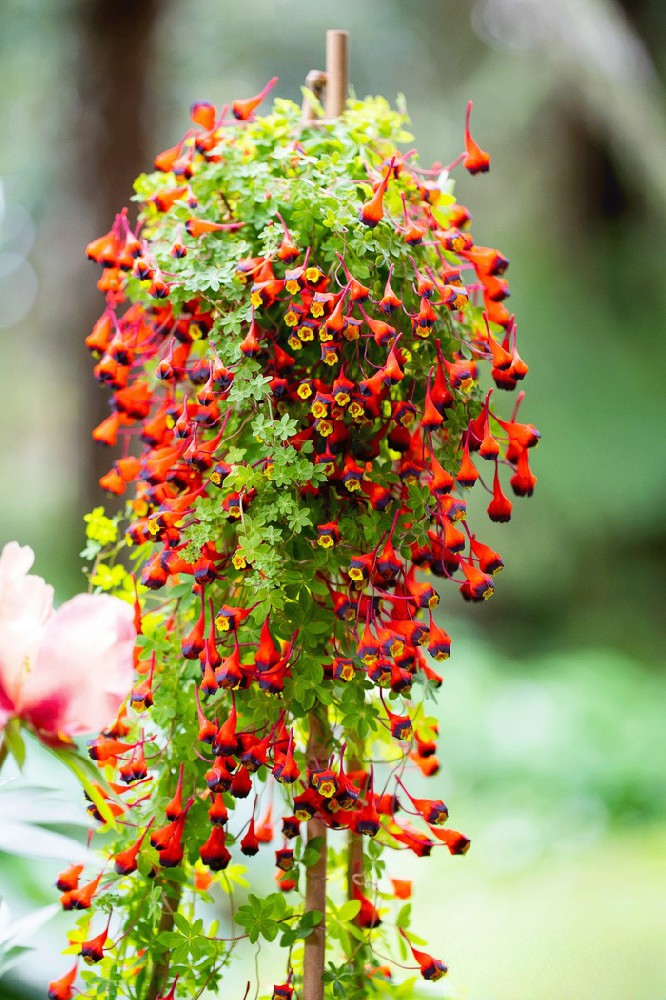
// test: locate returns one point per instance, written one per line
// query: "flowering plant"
(294, 340)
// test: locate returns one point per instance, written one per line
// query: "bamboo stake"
(315, 880)
(336, 81)
(337, 72)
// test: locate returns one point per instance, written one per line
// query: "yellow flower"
(108, 577)
(99, 527)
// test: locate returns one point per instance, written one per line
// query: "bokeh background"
(552, 712)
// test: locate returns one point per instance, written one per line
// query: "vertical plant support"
(336, 84)
(314, 960)
(337, 72)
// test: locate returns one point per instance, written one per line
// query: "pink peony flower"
(63, 672)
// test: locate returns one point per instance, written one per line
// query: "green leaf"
(14, 741)
(349, 910)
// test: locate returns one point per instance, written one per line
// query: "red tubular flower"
(434, 812)
(229, 674)
(431, 968)
(61, 989)
(264, 827)
(285, 882)
(423, 594)
(286, 770)
(81, 899)
(241, 783)
(105, 249)
(467, 473)
(389, 301)
(475, 160)
(204, 114)
(523, 481)
(402, 888)
(92, 950)
(200, 227)
(218, 777)
(456, 842)
(432, 418)
(479, 586)
(172, 991)
(214, 852)
(102, 748)
(372, 211)
(368, 916)
(230, 619)
(68, 880)
(250, 842)
(226, 741)
(439, 645)
(243, 110)
(207, 733)
(427, 765)
(500, 506)
(489, 561)
(324, 781)
(412, 838)
(401, 726)
(218, 812)
(284, 859)
(125, 862)
(267, 654)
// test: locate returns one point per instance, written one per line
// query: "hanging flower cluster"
(303, 346)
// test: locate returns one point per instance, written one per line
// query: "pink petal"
(84, 667)
(26, 604)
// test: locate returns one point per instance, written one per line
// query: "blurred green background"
(553, 737)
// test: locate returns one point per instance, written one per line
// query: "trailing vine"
(295, 342)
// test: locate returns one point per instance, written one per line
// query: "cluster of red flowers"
(376, 385)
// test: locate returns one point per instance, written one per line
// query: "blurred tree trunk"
(112, 144)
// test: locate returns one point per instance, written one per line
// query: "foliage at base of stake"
(294, 341)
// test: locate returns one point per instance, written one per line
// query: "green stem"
(4, 751)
